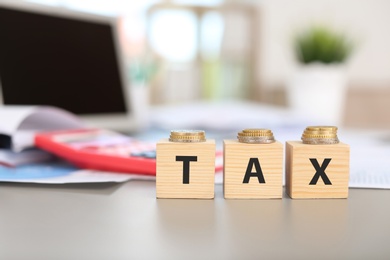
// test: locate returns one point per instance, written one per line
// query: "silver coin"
(256, 139)
(187, 140)
(188, 132)
(320, 140)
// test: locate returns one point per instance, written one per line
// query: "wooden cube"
(185, 170)
(317, 171)
(252, 171)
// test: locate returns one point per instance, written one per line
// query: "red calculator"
(100, 150)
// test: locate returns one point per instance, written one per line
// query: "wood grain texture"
(236, 159)
(300, 170)
(169, 172)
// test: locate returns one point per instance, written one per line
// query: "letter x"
(320, 171)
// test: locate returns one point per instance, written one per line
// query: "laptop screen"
(62, 61)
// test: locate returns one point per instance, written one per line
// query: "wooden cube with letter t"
(253, 170)
(317, 170)
(185, 169)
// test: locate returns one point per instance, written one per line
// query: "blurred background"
(214, 50)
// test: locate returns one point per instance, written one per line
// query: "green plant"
(142, 70)
(322, 44)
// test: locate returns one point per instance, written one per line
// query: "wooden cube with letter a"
(317, 171)
(185, 170)
(252, 171)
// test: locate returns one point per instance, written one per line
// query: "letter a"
(258, 173)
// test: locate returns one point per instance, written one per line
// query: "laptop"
(64, 58)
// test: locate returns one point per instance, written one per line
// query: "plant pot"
(318, 92)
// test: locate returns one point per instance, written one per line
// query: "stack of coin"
(187, 136)
(320, 135)
(256, 136)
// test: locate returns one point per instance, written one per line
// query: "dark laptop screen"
(64, 62)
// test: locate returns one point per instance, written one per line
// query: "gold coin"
(319, 132)
(256, 130)
(186, 140)
(187, 136)
(320, 135)
(322, 128)
(256, 136)
(187, 132)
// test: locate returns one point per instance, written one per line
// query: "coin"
(320, 140)
(322, 128)
(257, 140)
(256, 136)
(187, 132)
(187, 136)
(256, 130)
(317, 132)
(320, 135)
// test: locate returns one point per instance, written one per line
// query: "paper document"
(22, 122)
(12, 159)
(370, 166)
(61, 173)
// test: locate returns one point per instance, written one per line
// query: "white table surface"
(126, 221)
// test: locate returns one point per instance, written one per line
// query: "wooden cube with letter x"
(253, 166)
(317, 167)
(185, 166)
